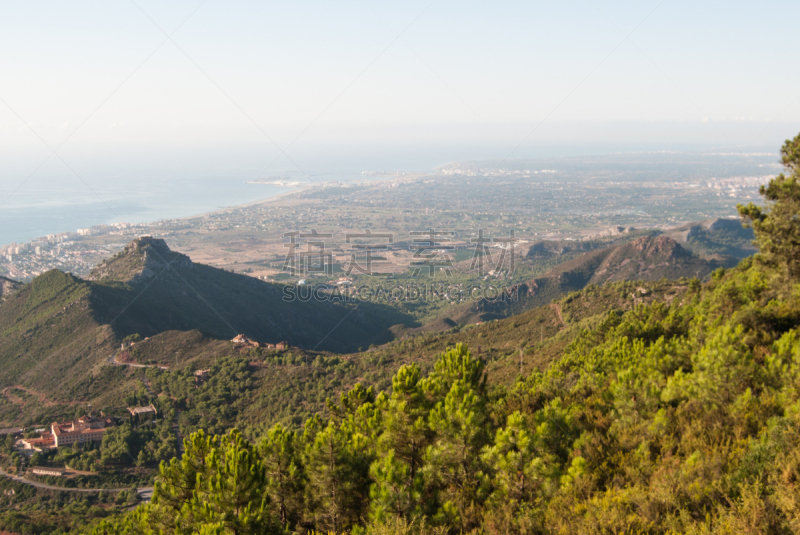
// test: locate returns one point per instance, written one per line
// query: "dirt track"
(557, 309)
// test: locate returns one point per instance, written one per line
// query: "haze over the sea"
(143, 186)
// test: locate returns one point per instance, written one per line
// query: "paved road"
(145, 492)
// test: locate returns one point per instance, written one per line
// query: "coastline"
(156, 222)
(84, 251)
(57, 228)
(293, 190)
(233, 206)
(79, 251)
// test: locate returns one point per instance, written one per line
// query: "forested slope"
(679, 417)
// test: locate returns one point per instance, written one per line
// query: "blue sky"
(245, 81)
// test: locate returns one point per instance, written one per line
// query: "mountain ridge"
(646, 258)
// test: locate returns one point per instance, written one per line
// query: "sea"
(65, 204)
(144, 188)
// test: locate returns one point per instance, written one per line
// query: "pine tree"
(398, 486)
(219, 484)
(520, 471)
(460, 421)
(281, 454)
(349, 402)
(454, 365)
(777, 226)
(517, 467)
(337, 460)
(177, 481)
(332, 493)
(232, 493)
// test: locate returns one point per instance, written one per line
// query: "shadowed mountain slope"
(147, 289)
(716, 237)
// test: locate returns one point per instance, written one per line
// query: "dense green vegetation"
(30, 511)
(213, 404)
(254, 388)
(594, 412)
(677, 416)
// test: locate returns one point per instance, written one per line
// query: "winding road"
(145, 492)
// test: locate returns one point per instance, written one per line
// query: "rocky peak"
(140, 260)
(661, 247)
(142, 243)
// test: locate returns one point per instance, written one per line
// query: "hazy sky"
(238, 78)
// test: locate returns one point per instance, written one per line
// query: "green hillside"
(290, 386)
(725, 239)
(675, 415)
(48, 334)
(60, 332)
(52, 345)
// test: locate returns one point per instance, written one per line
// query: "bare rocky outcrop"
(8, 287)
(140, 260)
